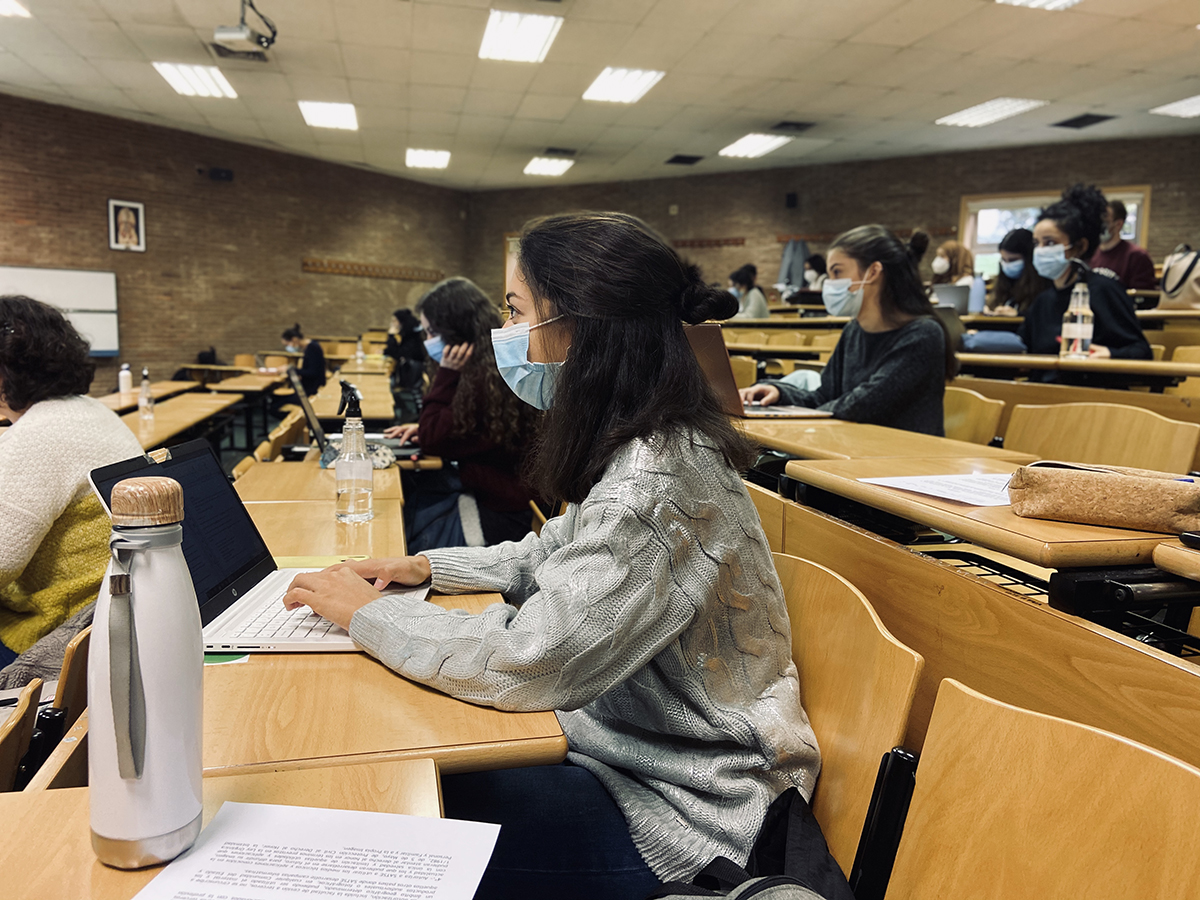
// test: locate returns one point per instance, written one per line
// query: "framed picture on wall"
(126, 225)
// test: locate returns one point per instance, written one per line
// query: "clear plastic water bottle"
(125, 379)
(359, 355)
(1077, 325)
(146, 398)
(355, 477)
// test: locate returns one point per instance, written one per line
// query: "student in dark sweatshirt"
(894, 357)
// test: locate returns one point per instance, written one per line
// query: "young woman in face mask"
(1018, 282)
(752, 302)
(815, 271)
(312, 366)
(891, 365)
(953, 264)
(469, 417)
(648, 615)
(1070, 230)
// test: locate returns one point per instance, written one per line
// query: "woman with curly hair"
(469, 417)
(53, 531)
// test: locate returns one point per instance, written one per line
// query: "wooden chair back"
(746, 337)
(745, 370)
(1188, 353)
(16, 732)
(970, 416)
(72, 680)
(263, 452)
(787, 339)
(826, 341)
(243, 467)
(291, 429)
(1103, 433)
(244, 359)
(1014, 803)
(856, 682)
(539, 518)
(280, 362)
(1189, 387)
(1158, 350)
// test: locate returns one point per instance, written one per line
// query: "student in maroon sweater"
(472, 419)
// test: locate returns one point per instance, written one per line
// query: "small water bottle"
(1077, 325)
(146, 398)
(355, 476)
(359, 356)
(977, 296)
(125, 379)
(145, 685)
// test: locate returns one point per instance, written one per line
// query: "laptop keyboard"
(276, 623)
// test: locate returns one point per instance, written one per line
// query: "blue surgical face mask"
(839, 300)
(1051, 261)
(532, 382)
(1012, 269)
(435, 346)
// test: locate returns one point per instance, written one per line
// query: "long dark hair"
(1079, 215)
(460, 313)
(293, 334)
(630, 372)
(901, 290)
(1018, 294)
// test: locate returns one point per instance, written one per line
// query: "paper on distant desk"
(258, 851)
(974, 490)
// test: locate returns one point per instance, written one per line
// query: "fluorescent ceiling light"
(13, 8)
(544, 165)
(1180, 109)
(622, 85)
(1052, 5)
(329, 115)
(753, 145)
(518, 37)
(992, 111)
(195, 81)
(427, 159)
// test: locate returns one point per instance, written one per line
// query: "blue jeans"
(561, 835)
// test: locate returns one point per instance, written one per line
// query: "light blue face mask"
(1051, 261)
(435, 347)
(1012, 269)
(532, 382)
(839, 300)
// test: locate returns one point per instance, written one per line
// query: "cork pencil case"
(1115, 496)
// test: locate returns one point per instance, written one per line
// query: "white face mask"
(809, 276)
(839, 300)
(532, 382)
(941, 265)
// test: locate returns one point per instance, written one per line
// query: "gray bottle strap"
(124, 667)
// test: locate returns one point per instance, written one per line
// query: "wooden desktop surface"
(1039, 541)
(309, 528)
(295, 710)
(307, 481)
(1161, 368)
(372, 365)
(176, 415)
(376, 403)
(1171, 556)
(250, 382)
(838, 439)
(159, 390)
(45, 836)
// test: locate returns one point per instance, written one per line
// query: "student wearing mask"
(893, 360)
(1018, 281)
(815, 272)
(407, 350)
(953, 264)
(648, 615)
(312, 366)
(1070, 230)
(1128, 263)
(752, 302)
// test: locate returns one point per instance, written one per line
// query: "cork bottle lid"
(152, 500)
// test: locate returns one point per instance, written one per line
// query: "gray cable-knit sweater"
(651, 619)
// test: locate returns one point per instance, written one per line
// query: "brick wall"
(222, 260)
(902, 193)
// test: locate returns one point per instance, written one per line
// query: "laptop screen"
(224, 551)
(314, 424)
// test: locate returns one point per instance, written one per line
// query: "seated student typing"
(53, 531)
(892, 362)
(648, 615)
(1068, 230)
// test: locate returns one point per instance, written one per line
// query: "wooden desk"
(201, 372)
(377, 401)
(837, 439)
(308, 528)
(257, 384)
(307, 481)
(1190, 316)
(1158, 373)
(159, 390)
(1039, 541)
(372, 365)
(177, 415)
(45, 838)
(300, 710)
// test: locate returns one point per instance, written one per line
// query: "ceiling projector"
(241, 38)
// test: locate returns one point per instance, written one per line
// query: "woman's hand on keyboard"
(340, 591)
(407, 570)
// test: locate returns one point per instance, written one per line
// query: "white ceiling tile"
(497, 75)
(286, 131)
(379, 23)
(483, 126)
(432, 122)
(843, 63)
(379, 93)
(563, 79)
(449, 29)
(67, 70)
(446, 69)
(435, 97)
(699, 14)
(657, 48)
(1145, 43)
(29, 36)
(492, 103)
(79, 10)
(376, 63)
(308, 57)
(144, 12)
(545, 106)
(912, 21)
(15, 71)
(835, 21)
(260, 85)
(647, 113)
(320, 87)
(1174, 12)
(371, 118)
(900, 69)
(95, 40)
(595, 42)
(994, 25)
(632, 11)
(298, 20)
(130, 73)
(169, 44)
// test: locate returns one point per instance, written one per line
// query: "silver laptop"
(238, 586)
(708, 343)
(955, 295)
(318, 432)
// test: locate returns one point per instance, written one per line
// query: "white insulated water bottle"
(145, 685)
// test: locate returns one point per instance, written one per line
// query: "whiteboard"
(88, 299)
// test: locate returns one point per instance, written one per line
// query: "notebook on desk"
(238, 586)
(709, 346)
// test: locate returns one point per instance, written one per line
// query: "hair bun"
(917, 245)
(698, 302)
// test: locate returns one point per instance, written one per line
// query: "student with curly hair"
(1067, 231)
(469, 417)
(53, 531)
(648, 615)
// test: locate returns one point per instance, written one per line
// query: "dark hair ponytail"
(901, 290)
(1079, 215)
(294, 333)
